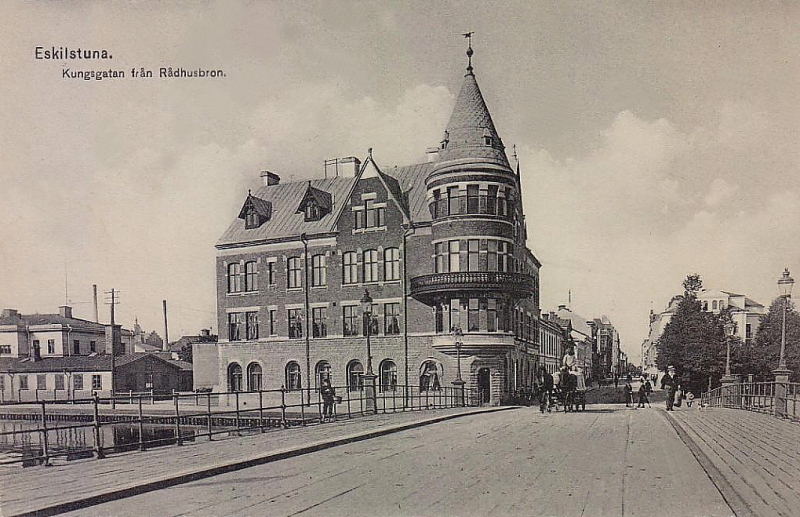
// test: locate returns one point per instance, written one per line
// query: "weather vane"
(468, 35)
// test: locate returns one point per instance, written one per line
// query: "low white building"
(745, 312)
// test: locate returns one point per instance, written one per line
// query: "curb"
(729, 494)
(232, 466)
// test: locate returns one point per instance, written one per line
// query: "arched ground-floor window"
(388, 375)
(293, 376)
(254, 377)
(323, 372)
(355, 375)
(234, 377)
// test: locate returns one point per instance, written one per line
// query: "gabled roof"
(321, 198)
(261, 206)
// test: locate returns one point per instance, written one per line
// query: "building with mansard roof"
(438, 246)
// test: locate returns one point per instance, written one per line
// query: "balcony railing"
(518, 284)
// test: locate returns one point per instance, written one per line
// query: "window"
(359, 219)
(252, 325)
(491, 200)
(371, 266)
(487, 140)
(441, 257)
(472, 254)
(391, 318)
(319, 321)
(472, 199)
(350, 320)
(350, 268)
(59, 378)
(23, 382)
(234, 377)
(77, 381)
(236, 326)
(234, 278)
(76, 347)
(391, 264)
(312, 211)
(748, 331)
(97, 382)
(5, 349)
(251, 276)
(318, 271)
(36, 345)
(472, 315)
(491, 315)
(323, 371)
(92, 346)
(273, 323)
(271, 273)
(253, 377)
(453, 247)
(295, 324)
(41, 381)
(293, 266)
(51, 346)
(355, 376)
(714, 305)
(388, 375)
(491, 258)
(375, 216)
(252, 219)
(504, 252)
(293, 379)
(2, 383)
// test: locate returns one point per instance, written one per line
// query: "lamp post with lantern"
(458, 384)
(785, 284)
(728, 380)
(369, 377)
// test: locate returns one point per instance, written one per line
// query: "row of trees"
(694, 342)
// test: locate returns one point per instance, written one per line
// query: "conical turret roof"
(470, 132)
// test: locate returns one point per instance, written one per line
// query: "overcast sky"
(656, 139)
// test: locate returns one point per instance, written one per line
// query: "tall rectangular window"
(77, 381)
(23, 382)
(252, 325)
(454, 253)
(371, 266)
(350, 268)
(294, 269)
(502, 256)
(455, 314)
(472, 199)
(76, 347)
(391, 318)
(295, 323)
(358, 216)
(236, 326)
(350, 320)
(271, 273)
(375, 216)
(92, 346)
(452, 201)
(51, 346)
(472, 254)
(235, 284)
(472, 323)
(391, 264)
(318, 271)
(372, 321)
(97, 382)
(251, 276)
(319, 317)
(41, 381)
(491, 315)
(273, 323)
(441, 257)
(491, 200)
(59, 377)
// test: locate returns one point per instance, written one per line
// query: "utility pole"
(165, 343)
(114, 301)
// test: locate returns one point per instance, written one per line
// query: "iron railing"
(781, 399)
(520, 283)
(37, 433)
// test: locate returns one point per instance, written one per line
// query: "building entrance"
(484, 386)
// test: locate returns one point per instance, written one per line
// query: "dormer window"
(313, 212)
(487, 140)
(255, 212)
(487, 137)
(315, 204)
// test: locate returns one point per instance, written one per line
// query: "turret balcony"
(429, 288)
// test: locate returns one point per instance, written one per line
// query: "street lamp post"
(728, 380)
(458, 384)
(785, 284)
(369, 377)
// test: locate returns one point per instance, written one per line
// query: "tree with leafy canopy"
(693, 341)
(761, 355)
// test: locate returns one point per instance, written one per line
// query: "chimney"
(270, 178)
(562, 307)
(342, 167)
(432, 153)
(10, 313)
(96, 315)
(205, 333)
(65, 311)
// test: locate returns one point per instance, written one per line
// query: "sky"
(655, 139)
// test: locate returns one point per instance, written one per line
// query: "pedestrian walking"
(643, 398)
(328, 399)
(616, 380)
(628, 394)
(546, 385)
(670, 383)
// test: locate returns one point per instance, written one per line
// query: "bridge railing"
(781, 399)
(35, 433)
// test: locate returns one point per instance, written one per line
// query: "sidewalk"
(50, 490)
(753, 458)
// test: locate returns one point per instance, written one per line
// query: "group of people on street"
(645, 389)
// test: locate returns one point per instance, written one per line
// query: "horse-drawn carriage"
(569, 391)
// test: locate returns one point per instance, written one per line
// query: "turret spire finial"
(468, 35)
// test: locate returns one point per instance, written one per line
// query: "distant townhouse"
(436, 246)
(745, 312)
(552, 337)
(580, 335)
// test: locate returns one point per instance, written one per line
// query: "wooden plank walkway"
(26, 490)
(757, 454)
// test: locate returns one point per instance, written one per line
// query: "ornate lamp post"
(730, 328)
(728, 380)
(785, 285)
(369, 377)
(458, 384)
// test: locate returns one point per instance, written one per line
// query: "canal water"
(77, 442)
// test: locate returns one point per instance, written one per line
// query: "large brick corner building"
(438, 245)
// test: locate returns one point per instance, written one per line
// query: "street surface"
(608, 461)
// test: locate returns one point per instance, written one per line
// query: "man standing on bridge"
(670, 383)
